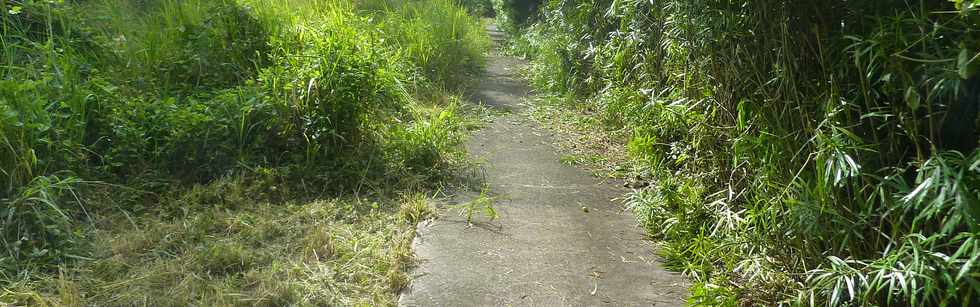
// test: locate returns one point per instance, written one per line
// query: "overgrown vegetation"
(799, 152)
(481, 8)
(170, 152)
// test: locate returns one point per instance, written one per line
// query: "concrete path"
(544, 250)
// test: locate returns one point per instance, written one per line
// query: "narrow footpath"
(559, 240)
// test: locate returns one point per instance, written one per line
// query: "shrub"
(167, 45)
(512, 15)
(444, 43)
(152, 97)
(481, 8)
(804, 151)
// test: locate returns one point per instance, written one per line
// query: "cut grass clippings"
(584, 140)
(340, 251)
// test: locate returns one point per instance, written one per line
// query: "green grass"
(231, 152)
(480, 205)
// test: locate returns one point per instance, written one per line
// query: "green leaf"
(912, 99)
(957, 3)
(965, 64)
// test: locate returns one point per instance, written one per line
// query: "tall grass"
(802, 152)
(154, 96)
(447, 59)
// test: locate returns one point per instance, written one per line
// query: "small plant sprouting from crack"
(483, 203)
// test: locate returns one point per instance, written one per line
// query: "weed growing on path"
(482, 204)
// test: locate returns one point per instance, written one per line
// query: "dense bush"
(150, 96)
(445, 53)
(183, 45)
(802, 151)
(512, 15)
(482, 8)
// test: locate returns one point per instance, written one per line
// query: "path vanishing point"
(544, 249)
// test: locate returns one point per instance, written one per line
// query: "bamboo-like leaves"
(772, 133)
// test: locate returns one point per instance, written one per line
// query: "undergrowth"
(200, 152)
(798, 153)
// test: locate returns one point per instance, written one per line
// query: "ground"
(558, 239)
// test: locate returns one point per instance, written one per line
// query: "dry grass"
(346, 251)
(582, 139)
